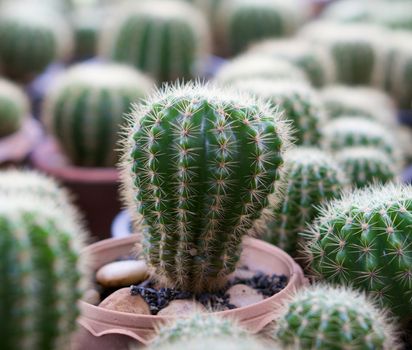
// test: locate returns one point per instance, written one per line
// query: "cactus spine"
(86, 110)
(204, 164)
(363, 239)
(312, 178)
(298, 102)
(166, 39)
(327, 318)
(14, 107)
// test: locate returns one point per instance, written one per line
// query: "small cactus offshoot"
(204, 164)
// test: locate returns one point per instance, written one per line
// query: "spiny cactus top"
(312, 178)
(367, 165)
(42, 274)
(253, 66)
(243, 22)
(348, 11)
(31, 37)
(299, 103)
(328, 318)
(164, 38)
(14, 107)
(314, 60)
(86, 110)
(364, 239)
(204, 163)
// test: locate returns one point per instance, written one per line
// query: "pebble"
(91, 296)
(244, 274)
(123, 301)
(182, 308)
(242, 295)
(122, 273)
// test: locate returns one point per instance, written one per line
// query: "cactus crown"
(363, 239)
(325, 317)
(14, 107)
(204, 164)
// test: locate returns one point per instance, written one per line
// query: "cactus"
(253, 66)
(299, 103)
(328, 318)
(357, 50)
(166, 39)
(313, 178)
(86, 110)
(86, 26)
(42, 274)
(204, 164)
(14, 107)
(366, 165)
(348, 11)
(31, 37)
(363, 239)
(395, 14)
(315, 61)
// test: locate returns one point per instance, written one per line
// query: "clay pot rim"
(69, 172)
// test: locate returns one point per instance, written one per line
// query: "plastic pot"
(106, 329)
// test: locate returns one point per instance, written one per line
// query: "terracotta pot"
(107, 329)
(95, 190)
(16, 148)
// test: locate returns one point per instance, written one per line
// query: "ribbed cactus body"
(14, 107)
(366, 165)
(31, 37)
(204, 163)
(298, 102)
(364, 240)
(86, 26)
(166, 39)
(327, 318)
(312, 178)
(315, 61)
(86, 110)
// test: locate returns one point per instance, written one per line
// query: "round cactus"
(14, 107)
(41, 273)
(86, 109)
(326, 318)
(166, 39)
(86, 26)
(312, 178)
(366, 165)
(315, 61)
(298, 102)
(31, 37)
(253, 66)
(204, 164)
(363, 239)
(243, 22)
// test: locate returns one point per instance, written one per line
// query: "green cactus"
(363, 239)
(299, 103)
(86, 109)
(41, 272)
(366, 165)
(14, 107)
(166, 39)
(395, 14)
(204, 164)
(328, 318)
(312, 178)
(86, 26)
(31, 37)
(315, 61)
(253, 66)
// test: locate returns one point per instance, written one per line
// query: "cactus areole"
(204, 165)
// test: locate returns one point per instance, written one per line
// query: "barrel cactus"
(164, 38)
(367, 165)
(364, 239)
(315, 61)
(14, 107)
(86, 109)
(42, 273)
(31, 37)
(203, 164)
(86, 27)
(328, 318)
(312, 178)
